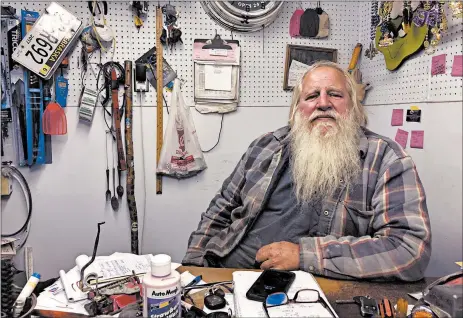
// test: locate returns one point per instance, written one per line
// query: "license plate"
(47, 43)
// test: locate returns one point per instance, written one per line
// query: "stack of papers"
(244, 307)
(64, 295)
(216, 78)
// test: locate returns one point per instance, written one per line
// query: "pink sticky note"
(401, 137)
(417, 139)
(438, 64)
(397, 117)
(457, 67)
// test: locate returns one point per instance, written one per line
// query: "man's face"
(324, 98)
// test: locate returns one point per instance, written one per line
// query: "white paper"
(417, 295)
(186, 278)
(215, 96)
(296, 70)
(246, 308)
(218, 77)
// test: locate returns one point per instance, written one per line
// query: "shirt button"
(311, 268)
(326, 213)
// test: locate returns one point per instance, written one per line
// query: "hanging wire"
(218, 138)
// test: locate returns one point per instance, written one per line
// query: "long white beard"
(323, 154)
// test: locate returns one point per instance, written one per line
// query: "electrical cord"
(15, 173)
(218, 138)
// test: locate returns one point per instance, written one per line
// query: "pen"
(195, 281)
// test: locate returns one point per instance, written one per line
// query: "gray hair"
(357, 107)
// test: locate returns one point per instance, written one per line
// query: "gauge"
(243, 16)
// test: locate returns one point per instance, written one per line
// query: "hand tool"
(120, 189)
(116, 118)
(108, 192)
(114, 200)
(130, 178)
(159, 96)
(402, 308)
(368, 306)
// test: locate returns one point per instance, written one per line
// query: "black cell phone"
(269, 282)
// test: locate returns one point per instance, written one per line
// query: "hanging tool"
(114, 201)
(108, 192)
(120, 189)
(54, 120)
(130, 182)
(116, 118)
(141, 10)
(159, 90)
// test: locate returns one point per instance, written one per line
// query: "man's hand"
(279, 255)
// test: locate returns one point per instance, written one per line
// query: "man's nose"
(324, 108)
(324, 102)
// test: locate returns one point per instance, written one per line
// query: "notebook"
(244, 307)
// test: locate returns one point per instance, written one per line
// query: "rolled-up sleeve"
(400, 247)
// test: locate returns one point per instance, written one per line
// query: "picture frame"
(306, 55)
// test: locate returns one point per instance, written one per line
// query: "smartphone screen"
(269, 282)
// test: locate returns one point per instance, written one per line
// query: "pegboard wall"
(412, 81)
(262, 53)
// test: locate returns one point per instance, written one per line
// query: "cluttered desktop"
(128, 285)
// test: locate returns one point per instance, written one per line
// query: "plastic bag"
(181, 155)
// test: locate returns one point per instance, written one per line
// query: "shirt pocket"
(358, 222)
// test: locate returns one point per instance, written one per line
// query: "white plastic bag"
(181, 154)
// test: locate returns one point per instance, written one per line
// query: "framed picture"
(299, 57)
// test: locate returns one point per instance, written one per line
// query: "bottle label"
(163, 302)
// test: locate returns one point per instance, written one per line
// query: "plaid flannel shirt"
(387, 205)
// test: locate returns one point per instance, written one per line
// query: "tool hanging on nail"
(160, 96)
(117, 120)
(108, 192)
(130, 180)
(114, 200)
(141, 10)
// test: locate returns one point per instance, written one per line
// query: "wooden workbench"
(333, 289)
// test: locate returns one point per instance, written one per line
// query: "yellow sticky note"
(414, 108)
(459, 264)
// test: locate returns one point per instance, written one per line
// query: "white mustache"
(329, 114)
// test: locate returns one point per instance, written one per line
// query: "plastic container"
(161, 289)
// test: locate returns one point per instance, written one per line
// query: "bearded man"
(324, 195)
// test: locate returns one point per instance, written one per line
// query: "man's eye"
(312, 96)
(335, 95)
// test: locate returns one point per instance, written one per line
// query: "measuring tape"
(159, 88)
(29, 261)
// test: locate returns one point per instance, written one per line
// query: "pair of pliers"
(92, 9)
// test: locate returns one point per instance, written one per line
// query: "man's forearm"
(378, 258)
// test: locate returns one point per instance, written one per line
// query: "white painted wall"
(68, 196)
(439, 166)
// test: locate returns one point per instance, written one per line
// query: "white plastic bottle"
(161, 289)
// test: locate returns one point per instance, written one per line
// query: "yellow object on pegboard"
(7, 187)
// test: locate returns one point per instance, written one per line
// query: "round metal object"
(243, 16)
